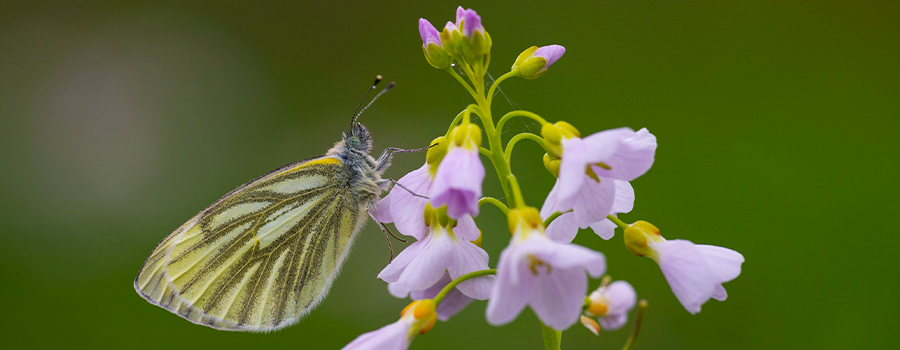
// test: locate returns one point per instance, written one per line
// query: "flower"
(432, 46)
(457, 182)
(452, 303)
(593, 176)
(548, 276)
(401, 206)
(469, 21)
(446, 249)
(695, 272)
(417, 318)
(466, 38)
(611, 303)
(534, 61)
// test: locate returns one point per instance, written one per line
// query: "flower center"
(535, 263)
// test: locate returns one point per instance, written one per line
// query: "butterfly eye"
(354, 142)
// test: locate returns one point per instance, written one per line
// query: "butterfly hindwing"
(262, 256)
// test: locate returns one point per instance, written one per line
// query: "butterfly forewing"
(262, 256)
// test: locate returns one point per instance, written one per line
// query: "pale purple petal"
(719, 293)
(604, 144)
(460, 13)
(566, 256)
(724, 262)
(452, 304)
(571, 172)
(621, 297)
(550, 203)
(450, 26)
(613, 321)
(429, 34)
(469, 20)
(594, 201)
(633, 157)
(382, 210)
(408, 210)
(466, 229)
(470, 258)
(398, 290)
(563, 228)
(458, 182)
(429, 264)
(687, 272)
(391, 272)
(606, 229)
(551, 53)
(394, 336)
(512, 289)
(558, 296)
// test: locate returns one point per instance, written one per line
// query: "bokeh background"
(777, 124)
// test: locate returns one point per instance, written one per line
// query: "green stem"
(517, 192)
(552, 337)
(637, 325)
(553, 217)
(519, 137)
(461, 80)
(456, 121)
(496, 202)
(485, 152)
(519, 113)
(618, 222)
(496, 83)
(437, 299)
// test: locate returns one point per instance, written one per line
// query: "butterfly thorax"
(361, 176)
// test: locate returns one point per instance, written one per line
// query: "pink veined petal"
(398, 290)
(563, 229)
(624, 201)
(558, 296)
(457, 182)
(633, 157)
(391, 337)
(466, 229)
(429, 34)
(460, 13)
(621, 297)
(391, 273)
(687, 272)
(613, 321)
(470, 258)
(471, 22)
(550, 204)
(571, 172)
(551, 53)
(602, 145)
(406, 209)
(432, 291)
(605, 229)
(429, 265)
(452, 304)
(594, 201)
(508, 299)
(724, 262)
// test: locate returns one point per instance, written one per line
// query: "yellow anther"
(429, 214)
(597, 308)
(534, 263)
(590, 172)
(604, 166)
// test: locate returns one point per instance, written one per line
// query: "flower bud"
(534, 61)
(528, 216)
(466, 136)
(437, 151)
(553, 135)
(423, 311)
(432, 45)
(637, 236)
(552, 164)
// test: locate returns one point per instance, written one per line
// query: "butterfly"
(264, 255)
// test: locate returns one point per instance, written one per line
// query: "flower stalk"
(437, 299)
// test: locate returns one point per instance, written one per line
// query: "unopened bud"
(551, 164)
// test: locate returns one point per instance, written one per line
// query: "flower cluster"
(446, 269)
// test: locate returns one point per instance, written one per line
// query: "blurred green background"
(776, 124)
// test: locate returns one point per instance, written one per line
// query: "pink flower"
(468, 21)
(593, 179)
(695, 272)
(611, 304)
(417, 318)
(534, 61)
(457, 182)
(443, 251)
(429, 34)
(548, 276)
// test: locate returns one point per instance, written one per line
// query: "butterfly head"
(358, 138)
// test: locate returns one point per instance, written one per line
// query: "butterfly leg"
(387, 184)
(385, 159)
(386, 231)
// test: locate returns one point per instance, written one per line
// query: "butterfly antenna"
(356, 112)
(386, 88)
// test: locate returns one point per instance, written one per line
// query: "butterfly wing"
(261, 257)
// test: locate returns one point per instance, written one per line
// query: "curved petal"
(382, 210)
(621, 297)
(719, 293)
(466, 229)
(452, 304)
(568, 256)
(605, 229)
(594, 201)
(406, 209)
(551, 53)
(391, 272)
(687, 272)
(724, 262)
(624, 201)
(559, 296)
(508, 299)
(429, 265)
(398, 290)
(429, 34)
(470, 258)
(571, 172)
(457, 182)
(633, 157)
(390, 337)
(550, 203)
